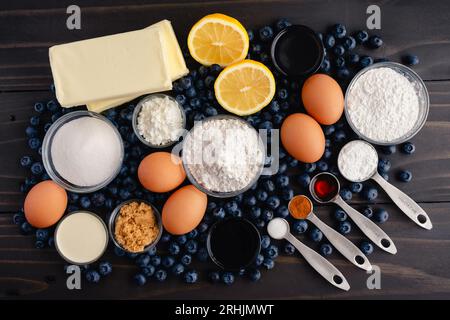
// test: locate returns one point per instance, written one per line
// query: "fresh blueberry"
(338, 50)
(345, 227)
(300, 226)
(51, 242)
(340, 215)
(289, 249)
(259, 260)
(268, 263)
(266, 33)
(274, 107)
(282, 94)
(329, 41)
(287, 194)
(259, 223)
(155, 260)
(214, 276)
(161, 275)
(273, 202)
(181, 239)
(26, 228)
(282, 24)
(326, 249)
(356, 187)
(143, 260)
(186, 259)
(268, 125)
(42, 234)
(92, 276)
(375, 42)
(349, 43)
(254, 274)
(370, 193)
(140, 279)
(282, 181)
(31, 132)
(198, 117)
(316, 235)
(85, 202)
(322, 166)
(218, 213)
(34, 120)
(365, 61)
(166, 237)
(119, 252)
(292, 162)
(267, 215)
(181, 98)
(231, 206)
(384, 165)
(339, 62)
(309, 168)
(261, 195)
(167, 261)
(265, 241)
(191, 92)
(18, 218)
(343, 73)
(268, 185)
(124, 194)
(361, 36)
(186, 82)
(152, 252)
(408, 148)
(405, 176)
(203, 227)
(388, 150)
(366, 247)
(328, 130)
(339, 31)
(228, 278)
(191, 246)
(209, 81)
(255, 212)
(26, 161)
(340, 136)
(271, 252)
(211, 111)
(284, 105)
(195, 103)
(39, 244)
(410, 60)
(148, 271)
(98, 199)
(368, 212)
(352, 58)
(202, 254)
(104, 268)
(326, 65)
(282, 211)
(381, 216)
(39, 107)
(174, 248)
(34, 143)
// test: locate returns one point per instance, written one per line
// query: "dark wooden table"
(421, 269)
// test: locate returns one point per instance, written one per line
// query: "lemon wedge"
(218, 38)
(245, 87)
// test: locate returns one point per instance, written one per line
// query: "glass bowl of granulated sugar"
(386, 103)
(223, 156)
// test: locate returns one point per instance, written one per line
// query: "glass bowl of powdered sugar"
(386, 103)
(82, 151)
(223, 156)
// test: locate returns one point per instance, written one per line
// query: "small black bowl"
(297, 51)
(233, 243)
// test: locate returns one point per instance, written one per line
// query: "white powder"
(383, 105)
(86, 151)
(277, 228)
(160, 121)
(357, 160)
(223, 155)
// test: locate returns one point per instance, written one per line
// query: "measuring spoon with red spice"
(301, 207)
(324, 188)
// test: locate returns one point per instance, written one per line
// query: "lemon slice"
(217, 38)
(245, 87)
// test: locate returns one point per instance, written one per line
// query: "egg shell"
(302, 137)
(161, 172)
(45, 204)
(184, 210)
(323, 98)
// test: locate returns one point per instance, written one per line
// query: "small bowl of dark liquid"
(233, 243)
(297, 51)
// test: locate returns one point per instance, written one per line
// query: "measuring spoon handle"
(405, 203)
(320, 264)
(342, 244)
(368, 227)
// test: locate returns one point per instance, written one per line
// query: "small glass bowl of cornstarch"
(223, 156)
(386, 103)
(158, 120)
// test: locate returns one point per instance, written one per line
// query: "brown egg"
(184, 210)
(323, 98)
(302, 137)
(45, 204)
(161, 172)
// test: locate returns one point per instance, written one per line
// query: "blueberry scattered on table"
(42, 234)
(366, 247)
(265, 241)
(304, 179)
(338, 50)
(191, 276)
(300, 226)
(356, 187)
(92, 276)
(104, 268)
(339, 31)
(228, 278)
(384, 165)
(315, 234)
(340, 215)
(345, 227)
(410, 60)
(368, 212)
(381, 216)
(26, 161)
(329, 41)
(352, 58)
(388, 150)
(39, 107)
(365, 61)
(160, 275)
(408, 148)
(349, 43)
(254, 274)
(268, 263)
(148, 271)
(346, 194)
(289, 249)
(266, 33)
(39, 244)
(271, 251)
(361, 36)
(139, 279)
(326, 249)
(214, 276)
(405, 176)
(370, 193)
(384, 175)
(375, 42)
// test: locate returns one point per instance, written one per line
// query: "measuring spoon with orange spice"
(301, 207)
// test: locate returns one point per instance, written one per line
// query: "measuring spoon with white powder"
(358, 162)
(278, 228)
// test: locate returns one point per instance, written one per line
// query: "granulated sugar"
(357, 160)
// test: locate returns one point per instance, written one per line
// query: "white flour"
(223, 155)
(160, 121)
(383, 105)
(357, 160)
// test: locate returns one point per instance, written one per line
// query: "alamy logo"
(374, 19)
(374, 280)
(74, 279)
(73, 21)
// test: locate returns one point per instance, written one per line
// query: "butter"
(175, 64)
(125, 64)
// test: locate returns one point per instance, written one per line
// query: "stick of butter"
(124, 64)
(176, 65)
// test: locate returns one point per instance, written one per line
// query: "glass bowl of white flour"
(386, 103)
(223, 156)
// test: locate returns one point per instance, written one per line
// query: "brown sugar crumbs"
(136, 226)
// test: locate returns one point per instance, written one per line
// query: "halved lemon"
(218, 38)
(245, 87)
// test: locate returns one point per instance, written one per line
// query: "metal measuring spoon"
(409, 207)
(278, 228)
(367, 226)
(341, 243)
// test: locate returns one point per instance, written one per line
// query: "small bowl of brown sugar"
(135, 226)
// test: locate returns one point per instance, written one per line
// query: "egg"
(184, 210)
(45, 204)
(161, 172)
(302, 137)
(323, 98)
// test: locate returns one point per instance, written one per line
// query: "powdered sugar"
(223, 155)
(383, 105)
(357, 160)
